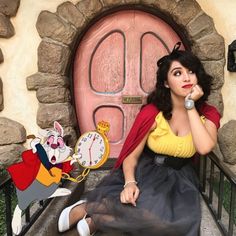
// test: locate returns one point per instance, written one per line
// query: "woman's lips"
(187, 86)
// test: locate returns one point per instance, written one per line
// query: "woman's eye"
(191, 72)
(177, 73)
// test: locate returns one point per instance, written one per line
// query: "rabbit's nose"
(54, 146)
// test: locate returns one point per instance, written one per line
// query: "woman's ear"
(166, 84)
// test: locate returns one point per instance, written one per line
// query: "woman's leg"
(77, 213)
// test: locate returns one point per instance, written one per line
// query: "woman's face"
(180, 80)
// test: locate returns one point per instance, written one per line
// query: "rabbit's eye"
(50, 140)
(60, 142)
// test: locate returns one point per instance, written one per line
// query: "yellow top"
(162, 140)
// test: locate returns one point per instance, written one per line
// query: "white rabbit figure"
(37, 177)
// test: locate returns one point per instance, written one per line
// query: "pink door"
(115, 69)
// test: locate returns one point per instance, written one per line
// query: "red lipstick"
(187, 86)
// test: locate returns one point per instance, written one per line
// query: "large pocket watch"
(92, 148)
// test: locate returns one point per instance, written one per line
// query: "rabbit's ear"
(58, 128)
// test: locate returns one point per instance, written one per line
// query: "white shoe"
(63, 221)
(83, 228)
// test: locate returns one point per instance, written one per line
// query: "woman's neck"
(177, 102)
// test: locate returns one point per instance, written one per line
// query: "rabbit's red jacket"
(25, 172)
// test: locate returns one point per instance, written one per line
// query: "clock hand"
(90, 156)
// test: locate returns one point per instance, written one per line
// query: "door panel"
(115, 69)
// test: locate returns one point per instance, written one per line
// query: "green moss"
(226, 195)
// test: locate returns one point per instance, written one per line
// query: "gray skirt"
(168, 204)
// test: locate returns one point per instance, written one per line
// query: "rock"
(89, 8)
(200, 26)
(70, 13)
(53, 58)
(6, 27)
(1, 56)
(71, 135)
(41, 80)
(1, 95)
(216, 70)
(11, 132)
(61, 112)
(51, 26)
(226, 139)
(9, 7)
(53, 95)
(216, 99)
(10, 154)
(185, 11)
(205, 47)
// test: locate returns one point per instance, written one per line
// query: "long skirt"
(168, 204)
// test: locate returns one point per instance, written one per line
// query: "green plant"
(226, 195)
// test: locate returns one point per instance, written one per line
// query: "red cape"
(25, 172)
(145, 120)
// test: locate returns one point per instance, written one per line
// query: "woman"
(153, 189)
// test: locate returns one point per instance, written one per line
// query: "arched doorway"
(115, 70)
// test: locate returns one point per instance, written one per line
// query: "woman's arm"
(204, 135)
(130, 192)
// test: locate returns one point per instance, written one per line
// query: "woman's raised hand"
(129, 194)
(196, 93)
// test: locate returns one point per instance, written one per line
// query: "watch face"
(189, 104)
(91, 149)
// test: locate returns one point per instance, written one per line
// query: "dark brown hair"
(160, 97)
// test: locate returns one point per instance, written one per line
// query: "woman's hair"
(161, 97)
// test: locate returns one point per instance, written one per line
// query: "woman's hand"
(129, 194)
(196, 93)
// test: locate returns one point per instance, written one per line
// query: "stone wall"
(60, 30)
(13, 134)
(8, 8)
(12, 137)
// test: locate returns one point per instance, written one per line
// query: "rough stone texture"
(94, 178)
(208, 225)
(61, 112)
(53, 95)
(216, 100)
(216, 70)
(200, 26)
(53, 58)
(9, 7)
(11, 132)
(113, 2)
(164, 5)
(185, 11)
(72, 136)
(132, 1)
(226, 139)
(10, 154)
(205, 48)
(6, 27)
(1, 95)
(89, 8)
(1, 56)
(40, 80)
(217, 152)
(70, 13)
(51, 26)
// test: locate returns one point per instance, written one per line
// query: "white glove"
(75, 158)
(33, 144)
